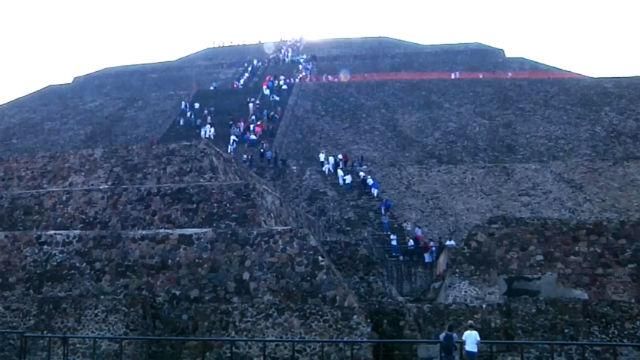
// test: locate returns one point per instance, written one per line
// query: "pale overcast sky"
(51, 41)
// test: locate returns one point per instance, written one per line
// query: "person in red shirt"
(258, 129)
(345, 159)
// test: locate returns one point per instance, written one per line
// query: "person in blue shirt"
(375, 188)
(385, 206)
(385, 224)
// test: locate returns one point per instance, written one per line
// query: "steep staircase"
(230, 105)
(227, 103)
(406, 275)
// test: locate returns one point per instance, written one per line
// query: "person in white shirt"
(471, 340)
(450, 243)
(322, 157)
(332, 161)
(395, 249)
(212, 132)
(232, 143)
(340, 177)
(233, 139)
(347, 181)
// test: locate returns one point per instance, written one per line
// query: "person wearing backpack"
(448, 341)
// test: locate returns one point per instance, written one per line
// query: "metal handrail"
(334, 341)
(555, 347)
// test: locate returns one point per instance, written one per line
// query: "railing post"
(521, 352)
(553, 352)
(203, 355)
(121, 349)
(264, 351)
(293, 350)
(615, 353)
(322, 351)
(351, 351)
(48, 349)
(22, 347)
(65, 348)
(491, 351)
(233, 344)
(94, 349)
(584, 351)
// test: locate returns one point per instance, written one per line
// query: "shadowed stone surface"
(115, 166)
(262, 283)
(222, 258)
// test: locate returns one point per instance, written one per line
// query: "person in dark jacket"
(448, 340)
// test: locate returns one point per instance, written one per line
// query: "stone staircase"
(406, 273)
(227, 102)
(355, 241)
(230, 105)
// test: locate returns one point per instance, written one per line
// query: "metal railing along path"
(62, 344)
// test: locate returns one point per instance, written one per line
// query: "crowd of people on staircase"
(194, 115)
(263, 115)
(289, 51)
(249, 70)
(250, 130)
(263, 111)
(416, 244)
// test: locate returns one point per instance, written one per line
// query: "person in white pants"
(251, 103)
(332, 161)
(326, 168)
(232, 143)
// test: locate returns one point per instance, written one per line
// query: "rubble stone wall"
(236, 282)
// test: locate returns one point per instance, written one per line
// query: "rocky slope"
(203, 254)
(536, 179)
(471, 150)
